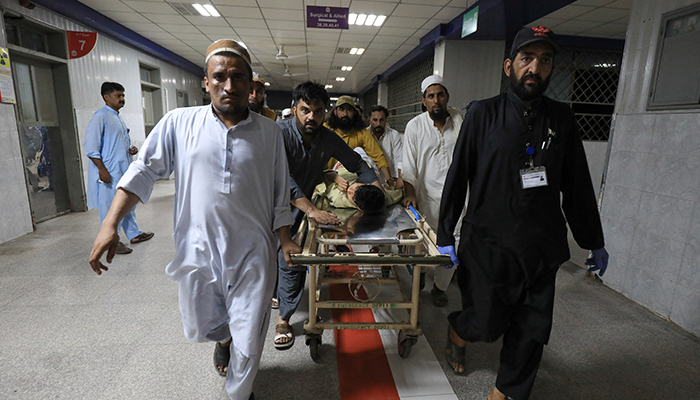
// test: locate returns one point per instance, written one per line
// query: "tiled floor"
(66, 333)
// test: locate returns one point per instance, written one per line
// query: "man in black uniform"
(516, 153)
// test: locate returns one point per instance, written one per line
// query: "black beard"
(378, 130)
(345, 123)
(438, 115)
(525, 93)
(229, 110)
(255, 107)
(304, 130)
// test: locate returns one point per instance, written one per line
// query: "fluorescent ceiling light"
(267, 83)
(200, 9)
(360, 51)
(353, 50)
(367, 20)
(346, 68)
(329, 87)
(334, 98)
(212, 10)
(340, 79)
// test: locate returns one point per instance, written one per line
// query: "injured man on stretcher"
(340, 189)
(361, 208)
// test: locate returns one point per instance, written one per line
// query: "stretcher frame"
(316, 255)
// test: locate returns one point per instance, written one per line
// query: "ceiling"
(264, 25)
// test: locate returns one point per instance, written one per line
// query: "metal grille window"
(586, 80)
(404, 93)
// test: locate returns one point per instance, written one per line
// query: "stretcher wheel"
(405, 344)
(314, 343)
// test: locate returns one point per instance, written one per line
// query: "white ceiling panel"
(570, 12)
(217, 30)
(283, 15)
(264, 24)
(242, 3)
(281, 35)
(166, 19)
(150, 7)
(547, 22)
(252, 32)
(426, 2)
(240, 12)
(415, 11)
(448, 13)
(172, 28)
(357, 36)
(390, 31)
(403, 22)
(257, 24)
(373, 7)
(149, 27)
(606, 30)
(604, 15)
(207, 21)
(623, 4)
(285, 4)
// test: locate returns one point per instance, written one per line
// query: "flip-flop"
(455, 354)
(284, 331)
(222, 355)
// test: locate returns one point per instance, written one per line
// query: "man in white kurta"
(428, 146)
(389, 140)
(231, 195)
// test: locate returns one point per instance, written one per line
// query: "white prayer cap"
(287, 112)
(430, 81)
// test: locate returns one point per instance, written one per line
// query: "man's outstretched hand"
(107, 240)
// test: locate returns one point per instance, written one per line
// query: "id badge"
(533, 177)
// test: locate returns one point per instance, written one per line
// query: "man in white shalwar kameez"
(429, 141)
(232, 194)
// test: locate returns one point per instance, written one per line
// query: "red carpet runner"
(363, 369)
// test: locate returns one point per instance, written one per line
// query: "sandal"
(275, 303)
(222, 355)
(454, 354)
(284, 331)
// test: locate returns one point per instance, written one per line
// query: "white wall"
(651, 202)
(109, 60)
(472, 69)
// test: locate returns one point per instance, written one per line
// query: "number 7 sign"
(80, 43)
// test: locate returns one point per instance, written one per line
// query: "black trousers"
(524, 323)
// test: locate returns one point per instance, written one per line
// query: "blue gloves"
(599, 261)
(450, 251)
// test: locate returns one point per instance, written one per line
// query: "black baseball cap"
(526, 36)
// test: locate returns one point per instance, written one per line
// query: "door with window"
(40, 138)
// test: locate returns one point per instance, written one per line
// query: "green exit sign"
(469, 21)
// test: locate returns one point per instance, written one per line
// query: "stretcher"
(371, 273)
